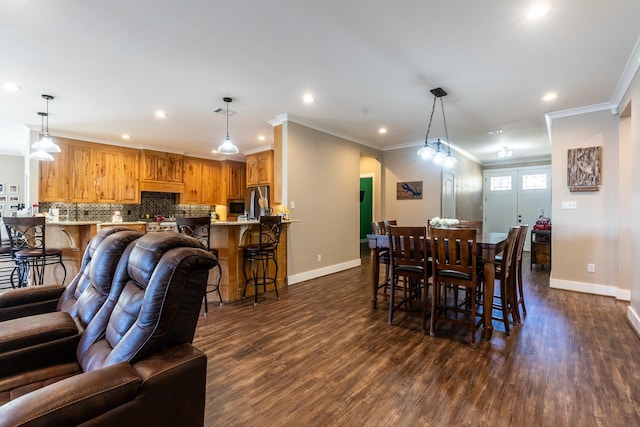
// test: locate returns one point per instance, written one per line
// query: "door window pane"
(501, 183)
(534, 182)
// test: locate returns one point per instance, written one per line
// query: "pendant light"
(227, 146)
(46, 142)
(439, 151)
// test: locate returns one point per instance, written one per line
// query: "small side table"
(541, 248)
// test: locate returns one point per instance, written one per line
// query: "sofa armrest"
(74, 400)
(28, 301)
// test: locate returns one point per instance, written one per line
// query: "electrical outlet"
(591, 268)
(319, 258)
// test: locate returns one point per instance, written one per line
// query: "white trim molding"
(634, 319)
(591, 288)
(313, 274)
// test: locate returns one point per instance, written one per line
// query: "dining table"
(487, 246)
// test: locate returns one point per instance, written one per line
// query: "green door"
(366, 206)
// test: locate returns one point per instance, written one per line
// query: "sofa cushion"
(32, 330)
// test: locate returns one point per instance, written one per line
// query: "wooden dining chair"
(453, 253)
(378, 228)
(409, 264)
(505, 274)
(517, 276)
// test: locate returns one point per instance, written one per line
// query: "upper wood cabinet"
(116, 176)
(89, 173)
(234, 175)
(202, 179)
(260, 169)
(161, 172)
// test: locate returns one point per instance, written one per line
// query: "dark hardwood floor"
(321, 357)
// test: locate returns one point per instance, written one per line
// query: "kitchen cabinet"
(234, 173)
(89, 173)
(116, 176)
(161, 172)
(260, 169)
(211, 179)
(192, 177)
(202, 179)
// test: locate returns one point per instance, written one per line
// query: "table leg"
(487, 299)
(375, 276)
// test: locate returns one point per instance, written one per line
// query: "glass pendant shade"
(426, 152)
(41, 155)
(227, 147)
(46, 144)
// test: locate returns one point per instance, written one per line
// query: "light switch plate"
(569, 204)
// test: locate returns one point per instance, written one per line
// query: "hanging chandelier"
(439, 151)
(45, 145)
(227, 146)
(505, 152)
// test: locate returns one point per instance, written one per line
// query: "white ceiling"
(112, 64)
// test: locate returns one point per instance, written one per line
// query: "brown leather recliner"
(134, 364)
(32, 300)
(23, 339)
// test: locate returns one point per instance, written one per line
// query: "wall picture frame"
(13, 189)
(584, 169)
(410, 190)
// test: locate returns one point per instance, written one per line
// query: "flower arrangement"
(283, 211)
(444, 222)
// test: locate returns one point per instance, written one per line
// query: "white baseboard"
(591, 288)
(324, 271)
(634, 319)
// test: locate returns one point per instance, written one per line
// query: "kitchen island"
(229, 237)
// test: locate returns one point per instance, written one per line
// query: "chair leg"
(275, 277)
(394, 278)
(520, 297)
(218, 284)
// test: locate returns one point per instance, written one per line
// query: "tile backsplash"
(152, 204)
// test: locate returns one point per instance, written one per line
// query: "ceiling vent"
(223, 111)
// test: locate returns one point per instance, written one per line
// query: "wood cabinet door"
(236, 181)
(265, 168)
(169, 168)
(54, 178)
(107, 176)
(211, 194)
(252, 170)
(149, 166)
(192, 177)
(129, 178)
(82, 164)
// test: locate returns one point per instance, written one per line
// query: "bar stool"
(260, 254)
(7, 266)
(29, 251)
(200, 229)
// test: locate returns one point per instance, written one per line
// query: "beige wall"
(588, 234)
(323, 180)
(404, 165)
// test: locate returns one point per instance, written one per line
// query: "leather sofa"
(134, 363)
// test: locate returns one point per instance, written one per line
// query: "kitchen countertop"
(255, 221)
(93, 222)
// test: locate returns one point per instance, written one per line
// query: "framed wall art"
(13, 189)
(584, 169)
(409, 190)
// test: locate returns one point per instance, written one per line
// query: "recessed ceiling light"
(537, 10)
(161, 115)
(12, 87)
(382, 131)
(550, 96)
(308, 98)
(261, 138)
(125, 136)
(495, 132)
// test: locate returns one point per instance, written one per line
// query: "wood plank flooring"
(321, 357)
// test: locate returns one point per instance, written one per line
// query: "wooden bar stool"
(29, 251)
(200, 229)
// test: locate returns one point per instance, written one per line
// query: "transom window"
(501, 183)
(534, 182)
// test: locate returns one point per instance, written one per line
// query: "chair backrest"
(454, 250)
(82, 280)
(408, 246)
(270, 227)
(386, 223)
(522, 236)
(154, 302)
(376, 227)
(508, 254)
(197, 227)
(26, 233)
(90, 288)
